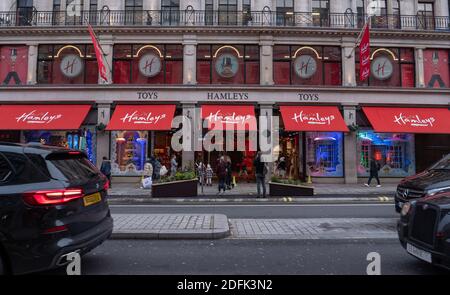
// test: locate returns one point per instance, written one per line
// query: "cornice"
(274, 31)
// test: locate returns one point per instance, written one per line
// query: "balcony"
(161, 18)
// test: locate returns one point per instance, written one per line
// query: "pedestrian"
(201, 172)
(229, 174)
(105, 168)
(147, 175)
(221, 174)
(281, 167)
(173, 165)
(156, 169)
(374, 167)
(260, 173)
(209, 175)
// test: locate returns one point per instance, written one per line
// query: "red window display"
(307, 65)
(389, 67)
(437, 68)
(13, 65)
(227, 64)
(67, 64)
(148, 64)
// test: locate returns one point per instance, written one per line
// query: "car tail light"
(52, 197)
(440, 235)
(106, 185)
(55, 229)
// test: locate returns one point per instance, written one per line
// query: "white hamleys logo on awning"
(313, 119)
(414, 120)
(38, 118)
(142, 118)
(228, 119)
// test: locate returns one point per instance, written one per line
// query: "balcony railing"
(161, 18)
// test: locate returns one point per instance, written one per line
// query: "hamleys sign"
(414, 120)
(232, 118)
(313, 118)
(142, 118)
(35, 117)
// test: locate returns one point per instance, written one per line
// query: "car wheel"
(2, 266)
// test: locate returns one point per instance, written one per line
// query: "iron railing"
(172, 18)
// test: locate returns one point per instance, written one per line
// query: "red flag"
(364, 54)
(98, 54)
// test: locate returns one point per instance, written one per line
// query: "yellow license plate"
(92, 199)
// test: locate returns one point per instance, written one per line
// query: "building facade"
(295, 59)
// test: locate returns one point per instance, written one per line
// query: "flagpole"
(367, 22)
(101, 48)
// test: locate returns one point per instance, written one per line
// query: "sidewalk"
(217, 226)
(249, 189)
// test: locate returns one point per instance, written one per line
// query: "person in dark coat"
(260, 171)
(221, 174)
(105, 168)
(374, 167)
(229, 174)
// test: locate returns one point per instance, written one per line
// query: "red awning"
(409, 120)
(42, 117)
(312, 118)
(229, 117)
(142, 117)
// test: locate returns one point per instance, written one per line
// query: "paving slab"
(170, 226)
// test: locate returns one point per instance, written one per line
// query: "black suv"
(434, 180)
(424, 229)
(52, 203)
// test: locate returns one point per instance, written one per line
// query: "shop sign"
(150, 65)
(142, 118)
(227, 96)
(38, 118)
(71, 66)
(147, 95)
(231, 118)
(309, 96)
(305, 66)
(227, 65)
(414, 120)
(382, 68)
(313, 118)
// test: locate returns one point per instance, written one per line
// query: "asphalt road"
(380, 210)
(132, 257)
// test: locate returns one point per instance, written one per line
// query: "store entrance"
(430, 148)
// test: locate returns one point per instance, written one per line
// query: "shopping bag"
(147, 182)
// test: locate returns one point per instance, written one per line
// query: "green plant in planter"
(181, 175)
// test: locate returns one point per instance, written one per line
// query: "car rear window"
(71, 168)
(22, 171)
(5, 170)
(443, 164)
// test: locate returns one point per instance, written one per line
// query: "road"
(379, 210)
(229, 256)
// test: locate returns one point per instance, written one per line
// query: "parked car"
(424, 229)
(432, 181)
(52, 203)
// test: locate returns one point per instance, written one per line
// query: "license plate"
(419, 253)
(92, 199)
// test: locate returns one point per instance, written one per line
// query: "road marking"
(253, 205)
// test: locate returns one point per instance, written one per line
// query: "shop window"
(83, 139)
(389, 67)
(148, 64)
(436, 64)
(67, 64)
(228, 64)
(13, 65)
(324, 153)
(306, 65)
(394, 152)
(129, 152)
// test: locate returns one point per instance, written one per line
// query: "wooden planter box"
(175, 189)
(289, 190)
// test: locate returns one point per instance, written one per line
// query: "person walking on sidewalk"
(222, 174)
(173, 165)
(105, 168)
(209, 175)
(374, 168)
(229, 174)
(260, 171)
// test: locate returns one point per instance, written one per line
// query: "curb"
(219, 232)
(301, 200)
